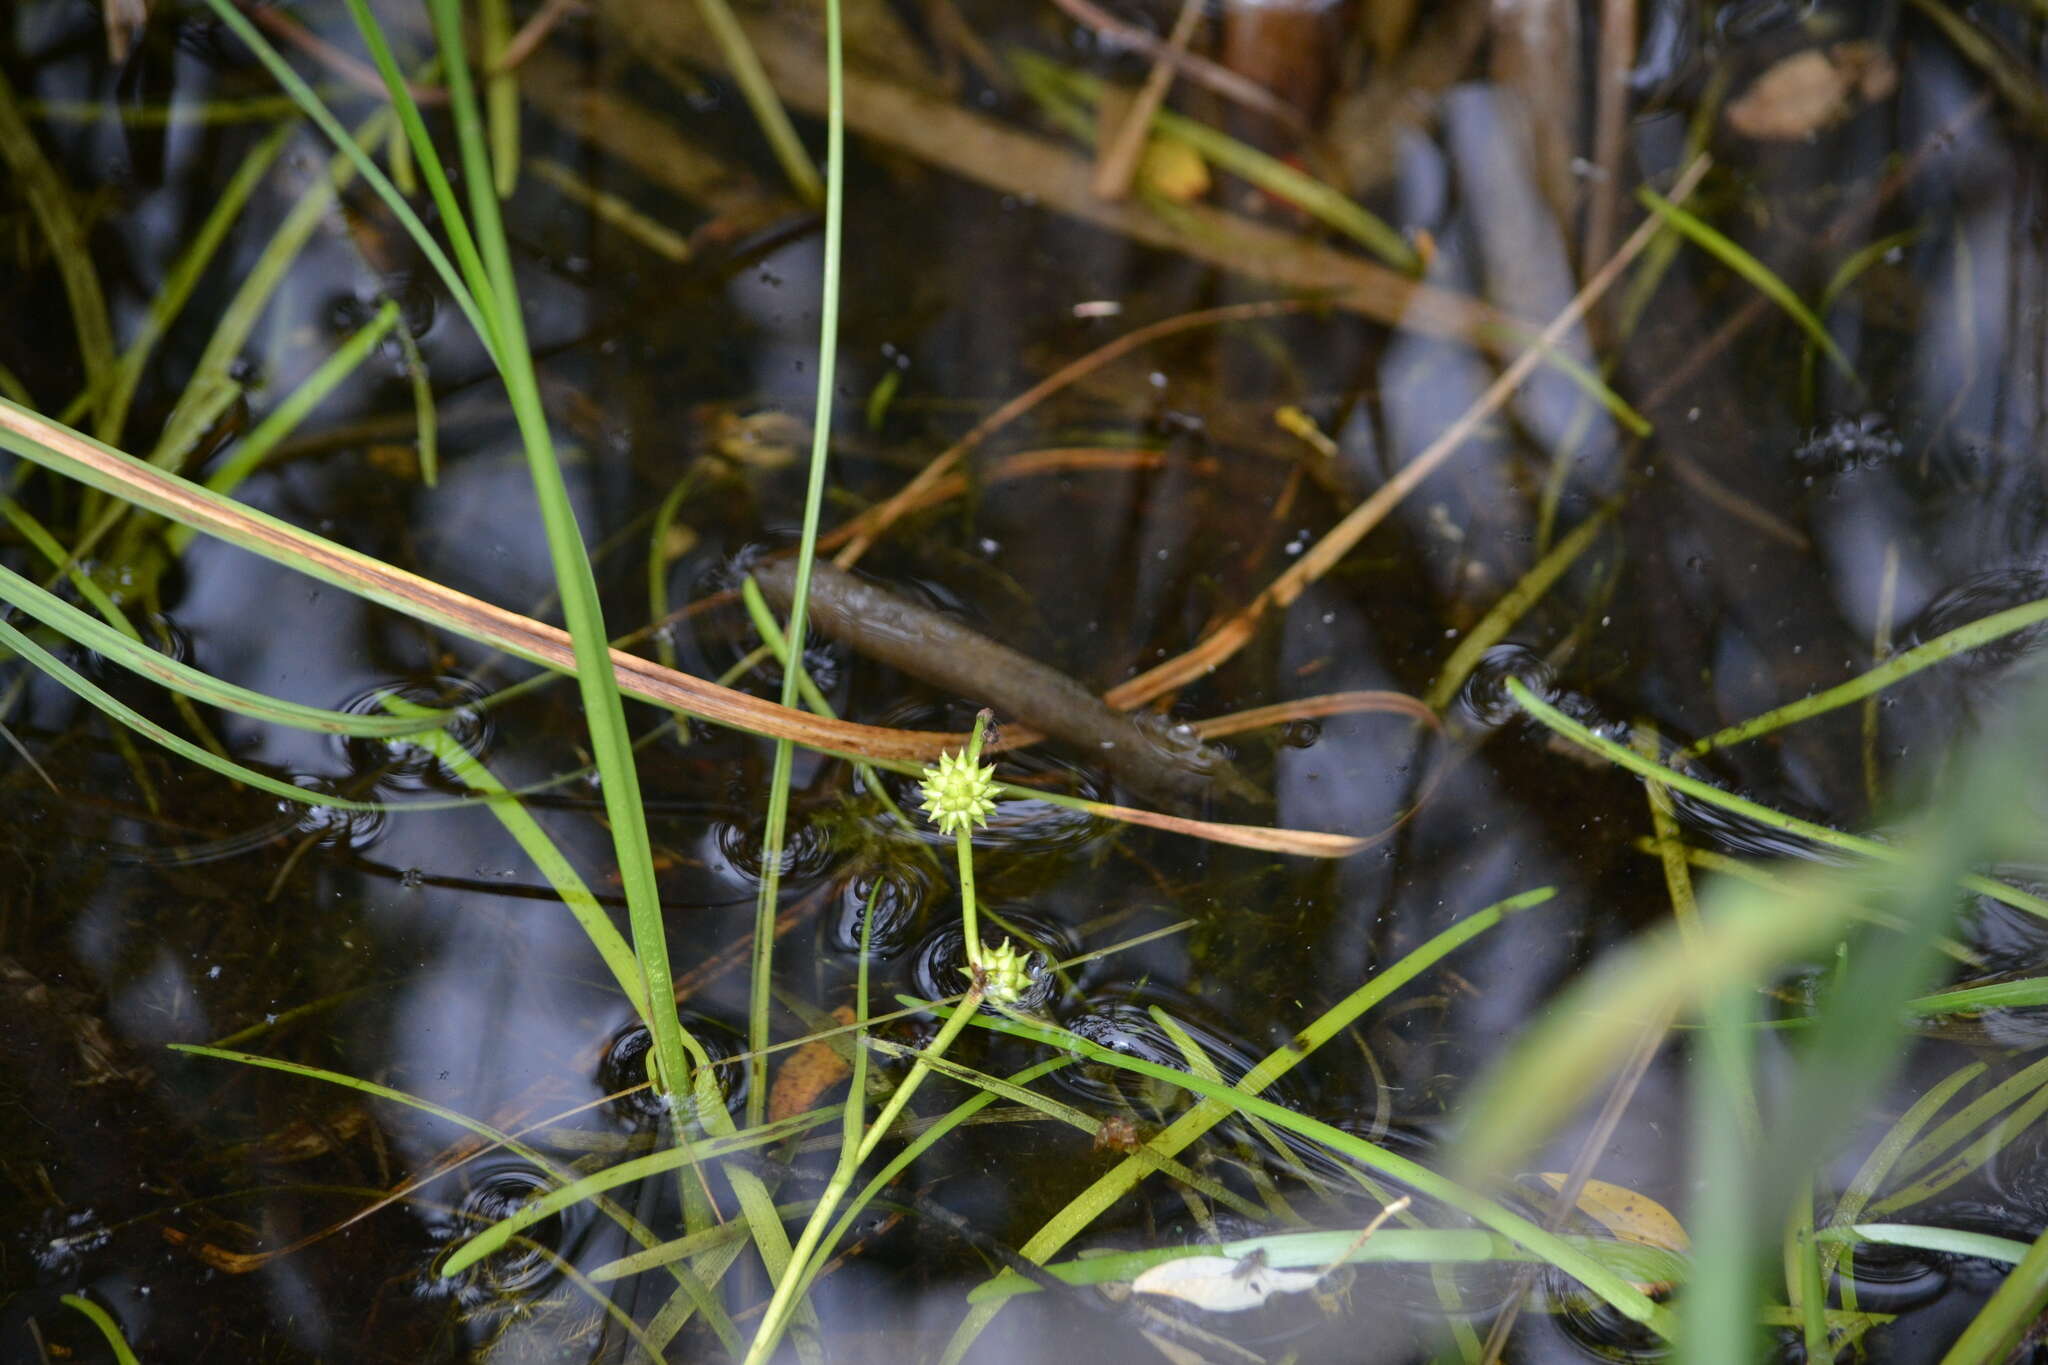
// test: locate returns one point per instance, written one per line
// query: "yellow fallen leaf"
(1628, 1215)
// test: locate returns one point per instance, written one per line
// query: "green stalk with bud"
(959, 796)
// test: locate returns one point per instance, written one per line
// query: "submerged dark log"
(941, 651)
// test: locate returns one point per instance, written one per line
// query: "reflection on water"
(1785, 523)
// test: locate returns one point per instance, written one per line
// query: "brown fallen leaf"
(810, 1071)
(1808, 91)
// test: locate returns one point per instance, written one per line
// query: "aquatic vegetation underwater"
(993, 682)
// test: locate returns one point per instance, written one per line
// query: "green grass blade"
(1974, 1115)
(1084, 1208)
(1762, 814)
(1720, 1327)
(814, 500)
(2002, 995)
(501, 95)
(1624, 1297)
(611, 743)
(1392, 1246)
(60, 672)
(57, 215)
(760, 95)
(1724, 250)
(1948, 645)
(102, 1319)
(428, 158)
(1948, 1241)
(2018, 1304)
(425, 423)
(317, 111)
(79, 627)
(281, 421)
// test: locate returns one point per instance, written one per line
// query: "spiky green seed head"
(958, 795)
(1006, 973)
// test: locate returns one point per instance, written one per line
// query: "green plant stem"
(963, 850)
(1997, 1328)
(741, 57)
(1621, 756)
(1963, 638)
(102, 1319)
(1630, 1301)
(760, 95)
(282, 420)
(793, 1280)
(1723, 249)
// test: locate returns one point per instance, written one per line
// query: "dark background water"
(1770, 535)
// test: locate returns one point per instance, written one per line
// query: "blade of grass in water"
(425, 423)
(563, 1176)
(790, 1275)
(55, 213)
(1763, 815)
(1724, 250)
(108, 1328)
(1947, 1240)
(814, 501)
(761, 98)
(501, 94)
(1945, 646)
(130, 653)
(1625, 1298)
(281, 421)
(1397, 1246)
(1085, 1208)
(604, 713)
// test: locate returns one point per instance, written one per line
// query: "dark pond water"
(1782, 527)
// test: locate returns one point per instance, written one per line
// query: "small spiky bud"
(958, 795)
(1006, 973)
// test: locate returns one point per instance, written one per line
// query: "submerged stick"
(939, 650)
